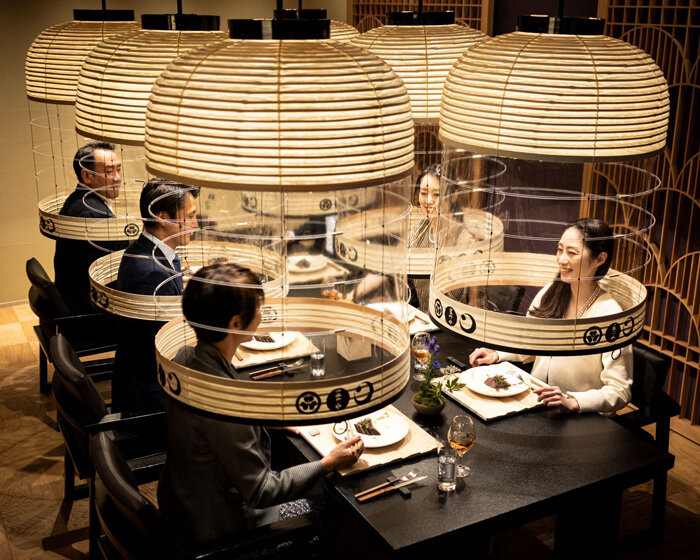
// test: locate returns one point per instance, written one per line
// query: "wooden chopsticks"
(377, 487)
(264, 373)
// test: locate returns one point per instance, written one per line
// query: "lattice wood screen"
(368, 14)
(669, 30)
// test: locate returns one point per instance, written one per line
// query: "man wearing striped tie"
(150, 266)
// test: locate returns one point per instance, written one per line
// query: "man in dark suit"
(218, 479)
(98, 170)
(169, 215)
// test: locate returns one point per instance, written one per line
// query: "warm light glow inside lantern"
(315, 139)
(564, 110)
(118, 74)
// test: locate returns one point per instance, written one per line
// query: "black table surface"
(523, 467)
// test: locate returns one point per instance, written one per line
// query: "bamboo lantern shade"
(55, 57)
(104, 271)
(117, 76)
(422, 56)
(292, 115)
(556, 97)
(342, 32)
(299, 401)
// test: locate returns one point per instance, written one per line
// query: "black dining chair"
(653, 406)
(504, 299)
(90, 334)
(81, 411)
(132, 528)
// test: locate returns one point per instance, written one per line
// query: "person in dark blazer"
(98, 170)
(150, 266)
(217, 480)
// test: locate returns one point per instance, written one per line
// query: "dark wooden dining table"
(524, 467)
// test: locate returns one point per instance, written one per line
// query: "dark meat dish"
(263, 338)
(366, 427)
(303, 263)
(497, 382)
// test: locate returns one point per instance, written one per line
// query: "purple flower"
(433, 347)
(436, 364)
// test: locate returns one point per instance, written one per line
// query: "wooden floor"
(31, 473)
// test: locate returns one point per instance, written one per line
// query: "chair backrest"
(49, 298)
(129, 521)
(649, 376)
(504, 299)
(78, 402)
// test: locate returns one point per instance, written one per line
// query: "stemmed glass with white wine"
(462, 437)
(420, 350)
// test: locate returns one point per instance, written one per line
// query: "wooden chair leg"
(69, 477)
(94, 528)
(658, 506)
(70, 490)
(44, 385)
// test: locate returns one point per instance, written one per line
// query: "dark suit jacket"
(134, 386)
(217, 477)
(73, 258)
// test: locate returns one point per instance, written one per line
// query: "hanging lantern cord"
(179, 7)
(561, 8)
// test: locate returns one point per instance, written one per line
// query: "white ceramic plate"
(315, 263)
(279, 340)
(392, 429)
(476, 377)
(394, 309)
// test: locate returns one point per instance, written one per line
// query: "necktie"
(178, 269)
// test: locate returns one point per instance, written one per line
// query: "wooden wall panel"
(669, 30)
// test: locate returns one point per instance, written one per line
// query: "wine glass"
(421, 352)
(462, 437)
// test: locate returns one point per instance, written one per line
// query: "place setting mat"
(416, 442)
(491, 407)
(421, 323)
(300, 347)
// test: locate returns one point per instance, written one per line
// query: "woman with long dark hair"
(596, 382)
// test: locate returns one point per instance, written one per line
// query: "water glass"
(447, 468)
(318, 364)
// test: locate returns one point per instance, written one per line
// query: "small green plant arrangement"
(430, 391)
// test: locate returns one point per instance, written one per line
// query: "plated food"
(270, 341)
(378, 429)
(300, 264)
(496, 380)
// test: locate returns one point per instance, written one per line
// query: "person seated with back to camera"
(150, 265)
(585, 383)
(217, 479)
(99, 173)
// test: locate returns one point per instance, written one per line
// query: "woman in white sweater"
(586, 383)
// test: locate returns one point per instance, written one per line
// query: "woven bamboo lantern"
(562, 108)
(52, 68)
(342, 32)
(293, 115)
(576, 95)
(421, 55)
(118, 74)
(301, 129)
(56, 55)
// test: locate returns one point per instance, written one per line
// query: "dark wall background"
(506, 11)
